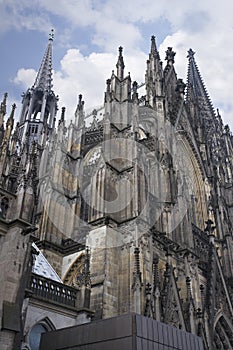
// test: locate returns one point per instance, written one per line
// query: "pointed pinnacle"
(120, 51)
(63, 114)
(153, 49)
(13, 110)
(80, 103)
(196, 84)
(10, 120)
(3, 104)
(44, 76)
(120, 64)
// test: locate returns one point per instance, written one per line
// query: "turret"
(76, 129)
(39, 105)
(154, 75)
(118, 90)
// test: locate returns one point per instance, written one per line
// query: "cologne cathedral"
(128, 209)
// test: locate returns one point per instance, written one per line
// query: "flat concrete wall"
(127, 332)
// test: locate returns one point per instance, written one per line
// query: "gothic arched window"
(35, 336)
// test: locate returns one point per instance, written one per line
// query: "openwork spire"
(44, 76)
(195, 85)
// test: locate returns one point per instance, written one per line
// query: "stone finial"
(191, 54)
(134, 89)
(108, 82)
(51, 34)
(180, 87)
(120, 64)
(135, 86)
(10, 119)
(153, 45)
(170, 54)
(62, 119)
(80, 103)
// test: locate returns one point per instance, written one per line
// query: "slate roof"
(42, 267)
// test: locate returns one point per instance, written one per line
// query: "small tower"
(39, 105)
(154, 77)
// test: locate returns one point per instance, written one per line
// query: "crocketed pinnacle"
(120, 65)
(196, 86)
(153, 51)
(11, 117)
(44, 77)
(3, 105)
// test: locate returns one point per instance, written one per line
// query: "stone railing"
(51, 290)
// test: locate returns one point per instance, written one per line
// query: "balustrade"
(52, 290)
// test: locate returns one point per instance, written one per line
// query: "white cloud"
(25, 77)
(214, 65)
(206, 28)
(88, 74)
(23, 14)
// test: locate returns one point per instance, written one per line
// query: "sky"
(89, 32)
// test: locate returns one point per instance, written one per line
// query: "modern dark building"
(128, 332)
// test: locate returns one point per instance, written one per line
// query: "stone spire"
(195, 85)
(39, 105)
(201, 110)
(153, 51)
(44, 76)
(120, 65)
(154, 76)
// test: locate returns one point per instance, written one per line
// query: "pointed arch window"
(35, 333)
(35, 336)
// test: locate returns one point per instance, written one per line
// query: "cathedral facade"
(131, 212)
